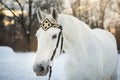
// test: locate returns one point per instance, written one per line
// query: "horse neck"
(76, 34)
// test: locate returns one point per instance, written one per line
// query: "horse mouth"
(43, 73)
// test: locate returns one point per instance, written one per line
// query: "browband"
(47, 24)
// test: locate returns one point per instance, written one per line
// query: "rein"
(54, 52)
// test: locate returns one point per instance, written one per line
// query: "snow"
(16, 66)
(19, 66)
(119, 67)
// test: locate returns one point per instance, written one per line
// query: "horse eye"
(54, 36)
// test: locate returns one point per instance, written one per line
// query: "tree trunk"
(79, 11)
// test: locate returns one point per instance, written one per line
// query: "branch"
(21, 7)
(10, 10)
(106, 4)
(22, 16)
(117, 10)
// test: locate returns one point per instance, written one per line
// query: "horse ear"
(54, 14)
(39, 15)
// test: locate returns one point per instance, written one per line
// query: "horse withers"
(91, 53)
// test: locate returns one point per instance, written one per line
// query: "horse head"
(50, 42)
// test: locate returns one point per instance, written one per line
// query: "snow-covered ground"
(19, 66)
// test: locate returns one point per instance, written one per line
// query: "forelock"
(51, 19)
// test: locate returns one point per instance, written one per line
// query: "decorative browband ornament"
(47, 24)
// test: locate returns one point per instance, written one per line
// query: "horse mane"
(73, 27)
(64, 19)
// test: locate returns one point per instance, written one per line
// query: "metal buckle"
(50, 63)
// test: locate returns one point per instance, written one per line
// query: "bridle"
(46, 25)
(54, 52)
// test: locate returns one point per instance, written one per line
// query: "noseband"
(46, 25)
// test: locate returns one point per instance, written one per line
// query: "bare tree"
(103, 4)
(22, 20)
(76, 8)
(81, 10)
(85, 12)
(116, 6)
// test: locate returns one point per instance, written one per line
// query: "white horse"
(91, 53)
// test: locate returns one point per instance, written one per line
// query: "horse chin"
(43, 73)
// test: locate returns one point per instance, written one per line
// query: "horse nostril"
(41, 68)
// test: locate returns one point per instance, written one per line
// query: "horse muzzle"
(40, 69)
